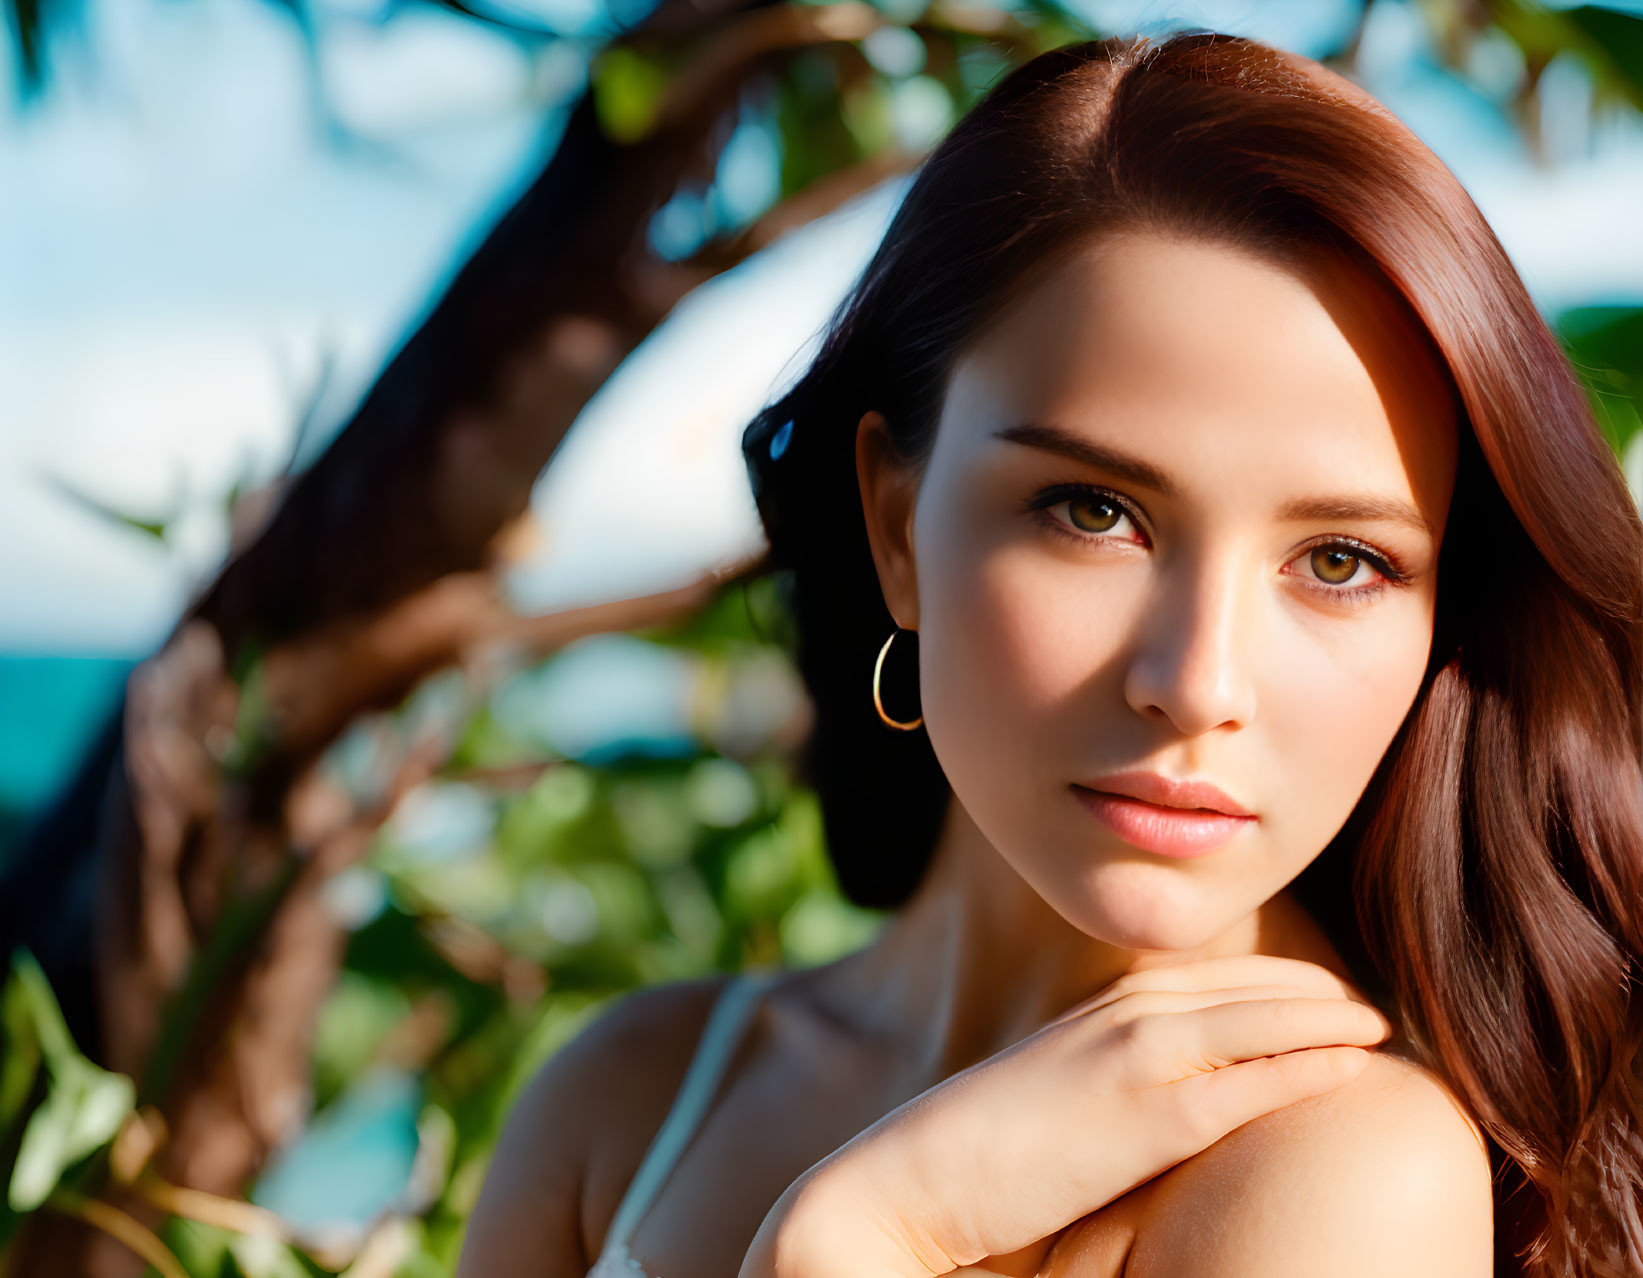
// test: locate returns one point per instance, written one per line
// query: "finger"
(1127, 1005)
(1172, 1045)
(1204, 1108)
(1227, 1032)
(1235, 969)
(1131, 1007)
(1220, 973)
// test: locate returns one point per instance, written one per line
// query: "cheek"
(1009, 640)
(1017, 655)
(1330, 710)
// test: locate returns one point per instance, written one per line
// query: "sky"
(182, 249)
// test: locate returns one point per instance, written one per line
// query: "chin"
(1132, 935)
(1139, 908)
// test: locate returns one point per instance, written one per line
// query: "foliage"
(520, 890)
(524, 886)
(509, 899)
(57, 1109)
(1606, 345)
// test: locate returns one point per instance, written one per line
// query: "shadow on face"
(1182, 515)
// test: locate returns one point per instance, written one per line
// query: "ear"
(889, 492)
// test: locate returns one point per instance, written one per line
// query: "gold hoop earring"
(877, 703)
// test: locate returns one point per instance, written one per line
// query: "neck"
(977, 960)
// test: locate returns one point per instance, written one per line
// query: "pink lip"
(1196, 819)
(1167, 792)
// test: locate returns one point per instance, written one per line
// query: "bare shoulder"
(1385, 1174)
(635, 1060)
(576, 1133)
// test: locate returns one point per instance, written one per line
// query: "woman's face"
(1182, 516)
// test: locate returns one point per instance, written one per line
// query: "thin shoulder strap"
(719, 1038)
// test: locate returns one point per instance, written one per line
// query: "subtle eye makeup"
(1093, 512)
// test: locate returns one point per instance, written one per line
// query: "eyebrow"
(1065, 443)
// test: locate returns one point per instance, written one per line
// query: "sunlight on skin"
(1199, 631)
(1247, 597)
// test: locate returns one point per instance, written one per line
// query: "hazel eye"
(1094, 513)
(1335, 564)
(1090, 513)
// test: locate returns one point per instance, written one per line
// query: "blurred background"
(386, 679)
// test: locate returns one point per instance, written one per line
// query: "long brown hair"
(1487, 884)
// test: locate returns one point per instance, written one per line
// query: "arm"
(1384, 1175)
(583, 1119)
(988, 1169)
(528, 1216)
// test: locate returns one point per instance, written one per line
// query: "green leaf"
(254, 729)
(1620, 37)
(157, 528)
(20, 1062)
(1605, 344)
(41, 1007)
(81, 1113)
(265, 1258)
(866, 110)
(84, 1104)
(627, 90)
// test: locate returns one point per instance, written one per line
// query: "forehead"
(1211, 360)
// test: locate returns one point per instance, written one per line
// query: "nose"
(1192, 661)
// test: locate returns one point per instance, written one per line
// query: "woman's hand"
(1001, 1156)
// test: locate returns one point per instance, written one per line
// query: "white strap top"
(719, 1038)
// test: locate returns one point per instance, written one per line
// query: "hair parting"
(1487, 886)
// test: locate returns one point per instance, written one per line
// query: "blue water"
(606, 698)
(51, 707)
(354, 1159)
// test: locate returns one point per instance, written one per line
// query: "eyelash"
(1383, 562)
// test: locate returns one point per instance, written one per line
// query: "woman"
(1278, 628)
